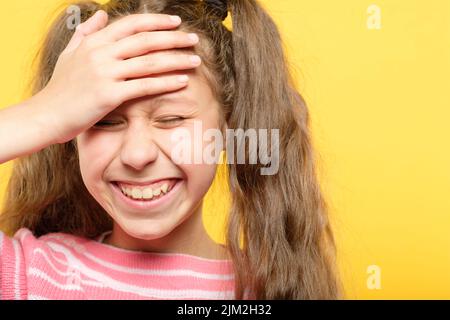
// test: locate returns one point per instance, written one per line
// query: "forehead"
(196, 95)
(150, 103)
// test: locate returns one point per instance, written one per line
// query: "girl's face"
(130, 150)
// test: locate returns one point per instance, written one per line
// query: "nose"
(138, 148)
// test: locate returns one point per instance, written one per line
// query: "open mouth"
(146, 197)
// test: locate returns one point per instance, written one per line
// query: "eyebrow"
(163, 99)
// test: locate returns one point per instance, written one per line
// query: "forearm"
(23, 130)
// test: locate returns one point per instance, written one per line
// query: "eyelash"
(171, 120)
(112, 123)
(105, 124)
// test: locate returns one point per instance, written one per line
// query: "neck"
(190, 237)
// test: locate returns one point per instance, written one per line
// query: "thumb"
(95, 23)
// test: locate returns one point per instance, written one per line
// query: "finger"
(155, 63)
(135, 23)
(95, 23)
(145, 42)
(133, 89)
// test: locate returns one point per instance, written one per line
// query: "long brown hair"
(288, 249)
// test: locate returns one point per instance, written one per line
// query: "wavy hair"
(287, 249)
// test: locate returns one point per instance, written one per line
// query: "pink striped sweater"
(63, 266)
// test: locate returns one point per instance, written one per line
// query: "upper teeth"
(146, 193)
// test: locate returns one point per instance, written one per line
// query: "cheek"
(199, 173)
(199, 178)
(95, 151)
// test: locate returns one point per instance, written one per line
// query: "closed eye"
(106, 123)
(165, 121)
(171, 120)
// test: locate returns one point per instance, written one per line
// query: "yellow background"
(380, 109)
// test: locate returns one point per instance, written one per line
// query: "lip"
(146, 205)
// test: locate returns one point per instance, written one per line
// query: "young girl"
(96, 207)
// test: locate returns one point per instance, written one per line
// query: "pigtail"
(287, 243)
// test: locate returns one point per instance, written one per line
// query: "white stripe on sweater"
(42, 275)
(147, 292)
(92, 283)
(151, 293)
(169, 273)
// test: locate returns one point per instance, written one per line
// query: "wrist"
(44, 118)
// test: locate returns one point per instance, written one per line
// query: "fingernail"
(183, 79)
(193, 37)
(176, 19)
(195, 60)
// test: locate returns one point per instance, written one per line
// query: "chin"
(146, 231)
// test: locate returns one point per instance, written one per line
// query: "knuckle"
(145, 37)
(108, 97)
(138, 21)
(135, 22)
(98, 70)
(88, 42)
(144, 85)
(133, 19)
(149, 17)
(92, 57)
(148, 62)
(102, 95)
(167, 82)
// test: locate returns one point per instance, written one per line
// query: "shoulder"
(13, 252)
(26, 243)
(24, 255)
(13, 248)
(53, 243)
(24, 249)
